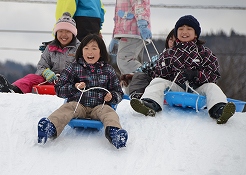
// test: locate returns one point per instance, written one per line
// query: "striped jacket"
(97, 75)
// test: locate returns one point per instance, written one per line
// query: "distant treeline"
(230, 50)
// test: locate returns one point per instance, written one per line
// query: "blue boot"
(46, 130)
(116, 136)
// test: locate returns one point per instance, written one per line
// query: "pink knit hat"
(66, 23)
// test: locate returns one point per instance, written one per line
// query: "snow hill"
(175, 142)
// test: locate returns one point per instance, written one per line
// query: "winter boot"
(222, 112)
(135, 95)
(145, 106)
(116, 136)
(46, 130)
(5, 86)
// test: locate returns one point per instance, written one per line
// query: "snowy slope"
(174, 142)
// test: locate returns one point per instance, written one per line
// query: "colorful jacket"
(187, 55)
(97, 75)
(86, 8)
(135, 10)
(56, 58)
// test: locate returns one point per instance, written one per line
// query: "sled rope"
(187, 86)
(82, 92)
(172, 83)
(47, 81)
(150, 41)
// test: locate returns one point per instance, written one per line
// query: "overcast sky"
(41, 17)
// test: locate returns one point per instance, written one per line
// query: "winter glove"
(143, 28)
(49, 75)
(125, 79)
(113, 46)
(190, 74)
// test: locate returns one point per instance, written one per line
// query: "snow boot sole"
(227, 113)
(139, 107)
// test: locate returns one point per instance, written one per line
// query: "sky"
(174, 142)
(41, 17)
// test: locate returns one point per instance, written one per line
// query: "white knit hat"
(66, 23)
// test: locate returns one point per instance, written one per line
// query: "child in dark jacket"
(93, 79)
(188, 65)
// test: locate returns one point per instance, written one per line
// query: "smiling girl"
(90, 70)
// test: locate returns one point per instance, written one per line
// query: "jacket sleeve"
(115, 88)
(141, 9)
(44, 62)
(65, 6)
(210, 69)
(102, 13)
(65, 86)
(162, 68)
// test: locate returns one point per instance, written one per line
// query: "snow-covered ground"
(175, 142)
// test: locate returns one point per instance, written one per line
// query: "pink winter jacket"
(133, 9)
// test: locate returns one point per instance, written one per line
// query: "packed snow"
(175, 142)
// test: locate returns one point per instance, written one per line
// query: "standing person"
(131, 27)
(55, 57)
(90, 70)
(188, 64)
(88, 15)
(141, 78)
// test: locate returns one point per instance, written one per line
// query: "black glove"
(190, 74)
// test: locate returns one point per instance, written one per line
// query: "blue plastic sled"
(184, 99)
(88, 123)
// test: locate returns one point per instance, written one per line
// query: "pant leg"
(139, 82)
(155, 90)
(87, 25)
(130, 55)
(62, 116)
(26, 83)
(213, 94)
(107, 115)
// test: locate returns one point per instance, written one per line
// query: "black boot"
(5, 86)
(222, 112)
(145, 106)
(16, 89)
(136, 95)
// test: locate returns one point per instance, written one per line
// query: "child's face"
(186, 33)
(91, 52)
(64, 36)
(171, 41)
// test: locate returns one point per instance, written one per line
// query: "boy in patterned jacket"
(188, 65)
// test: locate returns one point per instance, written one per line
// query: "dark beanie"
(188, 20)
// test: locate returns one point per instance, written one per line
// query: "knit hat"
(188, 20)
(66, 23)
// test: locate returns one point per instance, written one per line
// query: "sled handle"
(82, 91)
(149, 41)
(57, 75)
